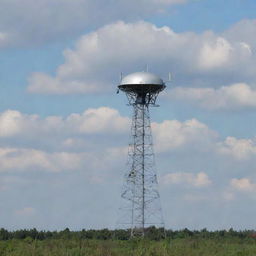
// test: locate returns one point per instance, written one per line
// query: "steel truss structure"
(141, 207)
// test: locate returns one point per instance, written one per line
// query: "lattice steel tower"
(141, 207)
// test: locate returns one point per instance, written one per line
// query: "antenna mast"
(141, 206)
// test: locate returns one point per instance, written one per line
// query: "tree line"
(151, 233)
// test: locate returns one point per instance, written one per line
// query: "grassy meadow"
(85, 247)
(180, 243)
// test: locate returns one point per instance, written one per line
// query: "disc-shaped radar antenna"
(142, 87)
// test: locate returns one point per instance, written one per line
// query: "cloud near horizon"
(57, 144)
(200, 179)
(102, 119)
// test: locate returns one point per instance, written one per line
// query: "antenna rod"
(170, 77)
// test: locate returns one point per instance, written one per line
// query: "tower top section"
(142, 78)
(142, 87)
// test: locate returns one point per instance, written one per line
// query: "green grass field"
(173, 247)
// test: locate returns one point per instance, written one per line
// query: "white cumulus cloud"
(172, 134)
(245, 30)
(103, 119)
(56, 143)
(200, 179)
(244, 185)
(29, 22)
(15, 159)
(10, 123)
(240, 149)
(215, 54)
(98, 57)
(235, 96)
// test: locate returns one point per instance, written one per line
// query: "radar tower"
(141, 207)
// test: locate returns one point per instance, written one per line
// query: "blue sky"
(64, 131)
(201, 15)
